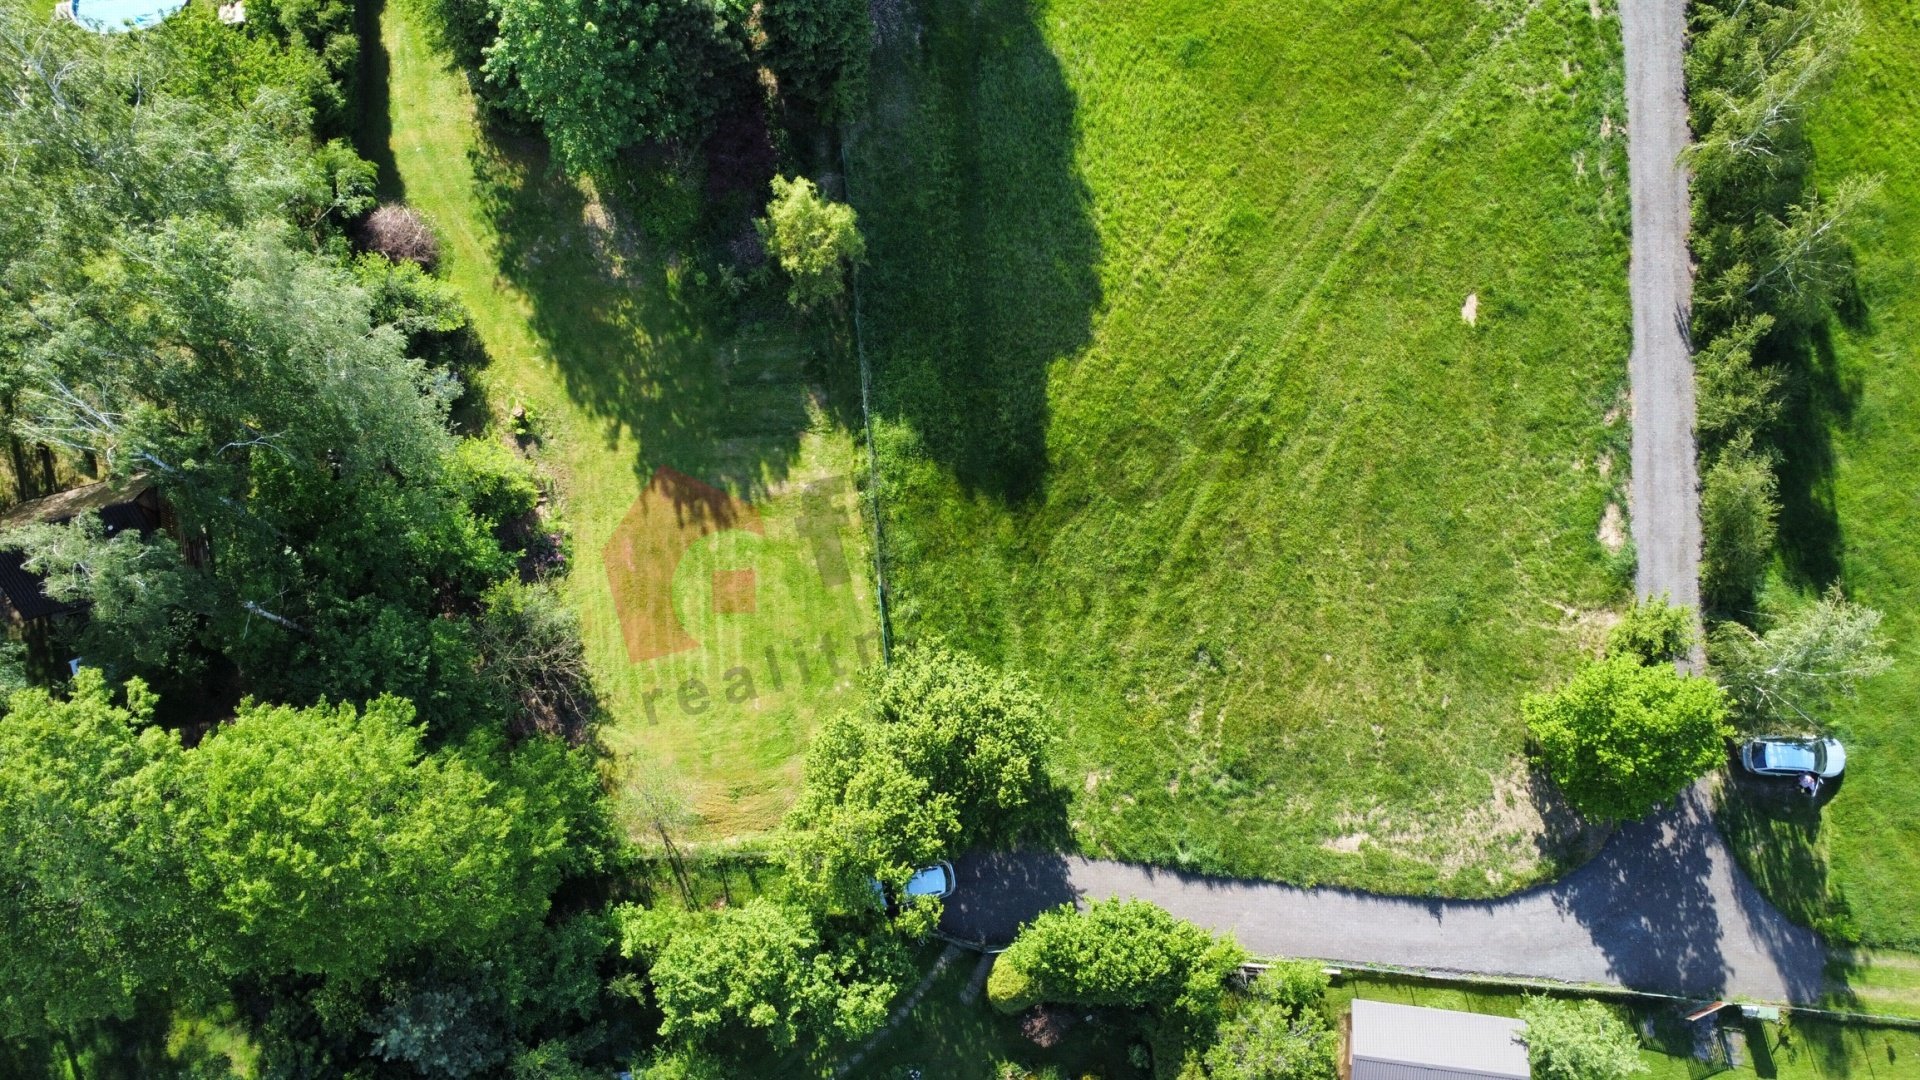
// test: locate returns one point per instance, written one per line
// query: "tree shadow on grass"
(373, 128)
(1819, 400)
(982, 251)
(634, 336)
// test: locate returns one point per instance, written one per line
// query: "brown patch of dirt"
(671, 513)
(1348, 844)
(1046, 1025)
(1613, 528)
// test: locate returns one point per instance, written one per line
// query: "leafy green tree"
(95, 917)
(1756, 70)
(1120, 953)
(139, 590)
(1654, 630)
(325, 840)
(948, 752)
(602, 75)
(761, 975)
(1622, 736)
(818, 50)
(1737, 399)
(1280, 1030)
(812, 238)
(1578, 1040)
(1795, 673)
(1805, 259)
(1739, 512)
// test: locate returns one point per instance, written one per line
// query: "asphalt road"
(1662, 908)
(1666, 496)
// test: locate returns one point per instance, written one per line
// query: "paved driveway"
(1662, 908)
(1666, 498)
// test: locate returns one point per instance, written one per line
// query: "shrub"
(1738, 517)
(1123, 953)
(1622, 736)
(1578, 1040)
(401, 234)
(1653, 630)
(812, 238)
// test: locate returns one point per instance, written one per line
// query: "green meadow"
(1252, 376)
(628, 361)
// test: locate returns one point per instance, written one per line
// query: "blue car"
(934, 881)
(1784, 756)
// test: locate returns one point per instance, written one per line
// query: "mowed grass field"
(1856, 477)
(1180, 412)
(739, 605)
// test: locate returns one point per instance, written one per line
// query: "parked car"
(1787, 756)
(934, 881)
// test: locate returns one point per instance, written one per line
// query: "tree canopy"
(1622, 736)
(1578, 1040)
(813, 238)
(1810, 659)
(947, 752)
(1124, 953)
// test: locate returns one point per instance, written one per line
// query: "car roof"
(1789, 755)
(931, 881)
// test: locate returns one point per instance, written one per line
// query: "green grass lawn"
(628, 363)
(1180, 414)
(1850, 490)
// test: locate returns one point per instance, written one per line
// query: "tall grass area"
(628, 358)
(1180, 410)
(1862, 855)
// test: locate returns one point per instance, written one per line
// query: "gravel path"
(1663, 908)
(1666, 498)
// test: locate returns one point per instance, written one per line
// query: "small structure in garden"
(1407, 1042)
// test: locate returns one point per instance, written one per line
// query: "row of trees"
(322, 845)
(1772, 252)
(181, 303)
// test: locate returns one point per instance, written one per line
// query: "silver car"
(1785, 756)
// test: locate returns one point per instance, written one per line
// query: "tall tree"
(96, 918)
(1623, 736)
(1794, 674)
(818, 50)
(326, 840)
(602, 75)
(947, 752)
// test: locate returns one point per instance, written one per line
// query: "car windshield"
(1820, 757)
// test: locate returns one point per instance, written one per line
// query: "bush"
(1622, 736)
(1296, 985)
(497, 484)
(1122, 953)
(1739, 512)
(401, 234)
(1653, 631)
(1578, 1040)
(812, 238)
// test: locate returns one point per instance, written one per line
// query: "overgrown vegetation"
(1177, 408)
(1803, 309)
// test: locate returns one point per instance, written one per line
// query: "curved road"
(1663, 908)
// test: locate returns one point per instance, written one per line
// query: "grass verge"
(724, 601)
(1251, 376)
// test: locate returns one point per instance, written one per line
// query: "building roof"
(1406, 1042)
(119, 506)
